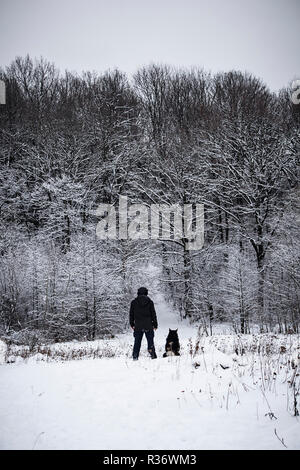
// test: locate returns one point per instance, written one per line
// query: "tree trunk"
(187, 305)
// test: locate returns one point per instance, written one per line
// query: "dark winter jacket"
(142, 314)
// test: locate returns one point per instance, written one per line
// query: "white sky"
(260, 36)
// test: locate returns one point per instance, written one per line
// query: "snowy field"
(223, 392)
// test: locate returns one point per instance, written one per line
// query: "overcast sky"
(260, 36)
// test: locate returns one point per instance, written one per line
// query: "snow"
(167, 403)
(2, 351)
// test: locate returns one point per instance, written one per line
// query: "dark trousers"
(138, 335)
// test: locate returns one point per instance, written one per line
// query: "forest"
(166, 135)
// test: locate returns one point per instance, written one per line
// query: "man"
(142, 319)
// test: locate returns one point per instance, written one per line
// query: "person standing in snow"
(142, 319)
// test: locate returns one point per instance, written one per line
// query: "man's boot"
(152, 353)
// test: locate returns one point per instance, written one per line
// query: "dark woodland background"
(70, 142)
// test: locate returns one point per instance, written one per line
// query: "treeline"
(70, 142)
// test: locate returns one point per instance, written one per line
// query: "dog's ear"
(169, 329)
(177, 329)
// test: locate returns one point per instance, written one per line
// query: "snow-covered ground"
(209, 399)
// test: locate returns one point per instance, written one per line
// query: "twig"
(281, 440)
(37, 439)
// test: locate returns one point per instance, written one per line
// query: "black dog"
(172, 344)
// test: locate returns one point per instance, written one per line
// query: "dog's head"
(173, 334)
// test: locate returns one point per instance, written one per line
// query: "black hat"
(142, 291)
